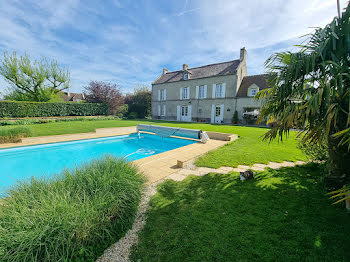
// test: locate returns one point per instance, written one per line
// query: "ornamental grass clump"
(71, 217)
(14, 135)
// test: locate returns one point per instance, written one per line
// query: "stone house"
(73, 97)
(210, 93)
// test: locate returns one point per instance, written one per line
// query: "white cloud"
(229, 25)
(129, 42)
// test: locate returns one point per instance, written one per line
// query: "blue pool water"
(45, 160)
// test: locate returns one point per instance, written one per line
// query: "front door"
(184, 113)
(219, 113)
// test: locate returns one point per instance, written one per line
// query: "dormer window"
(185, 76)
(253, 92)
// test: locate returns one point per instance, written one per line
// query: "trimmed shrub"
(122, 111)
(133, 115)
(14, 135)
(53, 120)
(235, 117)
(74, 216)
(38, 109)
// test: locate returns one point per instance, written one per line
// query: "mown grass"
(72, 217)
(14, 134)
(248, 149)
(281, 215)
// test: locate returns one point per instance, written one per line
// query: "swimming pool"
(45, 160)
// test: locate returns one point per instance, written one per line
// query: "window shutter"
(190, 113)
(223, 89)
(222, 112)
(164, 94)
(159, 95)
(158, 110)
(164, 110)
(197, 92)
(214, 90)
(205, 91)
(181, 93)
(178, 113)
(188, 92)
(212, 113)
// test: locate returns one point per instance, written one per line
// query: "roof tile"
(225, 68)
(259, 80)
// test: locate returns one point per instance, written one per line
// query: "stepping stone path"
(191, 169)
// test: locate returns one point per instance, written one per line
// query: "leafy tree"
(310, 90)
(140, 101)
(107, 93)
(19, 95)
(40, 80)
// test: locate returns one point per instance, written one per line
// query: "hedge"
(38, 109)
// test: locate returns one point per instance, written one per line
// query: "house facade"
(210, 93)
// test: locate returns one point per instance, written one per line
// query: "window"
(184, 110)
(185, 93)
(218, 91)
(201, 92)
(217, 111)
(253, 92)
(162, 94)
(185, 76)
(163, 110)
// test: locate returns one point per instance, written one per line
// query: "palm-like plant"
(310, 90)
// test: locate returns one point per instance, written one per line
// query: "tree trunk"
(347, 203)
(339, 164)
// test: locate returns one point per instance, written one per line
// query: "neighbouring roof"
(259, 80)
(72, 96)
(225, 68)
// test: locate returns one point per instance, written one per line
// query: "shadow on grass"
(281, 215)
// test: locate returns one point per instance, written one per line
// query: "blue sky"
(129, 42)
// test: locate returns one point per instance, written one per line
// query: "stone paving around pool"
(162, 165)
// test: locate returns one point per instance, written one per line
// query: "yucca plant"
(310, 90)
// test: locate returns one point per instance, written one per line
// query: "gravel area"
(120, 251)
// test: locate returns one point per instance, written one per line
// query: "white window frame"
(201, 92)
(217, 110)
(163, 109)
(162, 94)
(184, 111)
(186, 93)
(219, 90)
(253, 90)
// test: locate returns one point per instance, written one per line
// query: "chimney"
(83, 95)
(165, 71)
(184, 67)
(243, 54)
(68, 93)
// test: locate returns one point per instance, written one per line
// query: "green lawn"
(248, 149)
(281, 215)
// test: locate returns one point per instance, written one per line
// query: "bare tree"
(107, 93)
